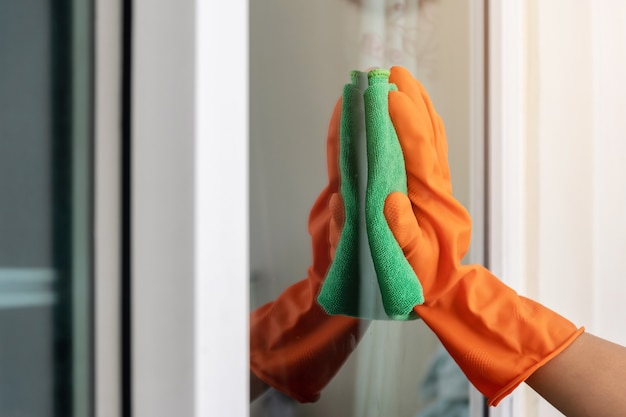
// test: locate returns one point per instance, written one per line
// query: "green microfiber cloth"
(369, 273)
(351, 287)
(341, 288)
(399, 286)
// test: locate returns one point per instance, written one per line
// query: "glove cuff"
(497, 337)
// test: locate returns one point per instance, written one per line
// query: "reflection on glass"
(301, 55)
(45, 231)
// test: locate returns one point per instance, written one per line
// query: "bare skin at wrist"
(586, 379)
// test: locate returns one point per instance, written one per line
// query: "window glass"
(301, 56)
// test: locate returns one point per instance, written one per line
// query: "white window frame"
(506, 155)
(107, 208)
(189, 209)
(478, 133)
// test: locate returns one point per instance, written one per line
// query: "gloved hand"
(295, 346)
(497, 337)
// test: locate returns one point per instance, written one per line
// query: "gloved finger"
(440, 140)
(403, 223)
(442, 152)
(416, 236)
(407, 84)
(415, 133)
(337, 220)
(332, 146)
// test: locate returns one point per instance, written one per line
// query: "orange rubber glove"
(295, 346)
(497, 337)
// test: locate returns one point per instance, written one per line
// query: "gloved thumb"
(403, 223)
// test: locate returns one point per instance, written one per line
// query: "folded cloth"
(369, 268)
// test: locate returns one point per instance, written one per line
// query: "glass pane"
(301, 56)
(45, 214)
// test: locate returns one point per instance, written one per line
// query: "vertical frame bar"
(107, 208)
(221, 209)
(82, 196)
(189, 209)
(72, 36)
(125, 183)
(162, 208)
(478, 197)
(505, 154)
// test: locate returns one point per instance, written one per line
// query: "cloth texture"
(369, 267)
